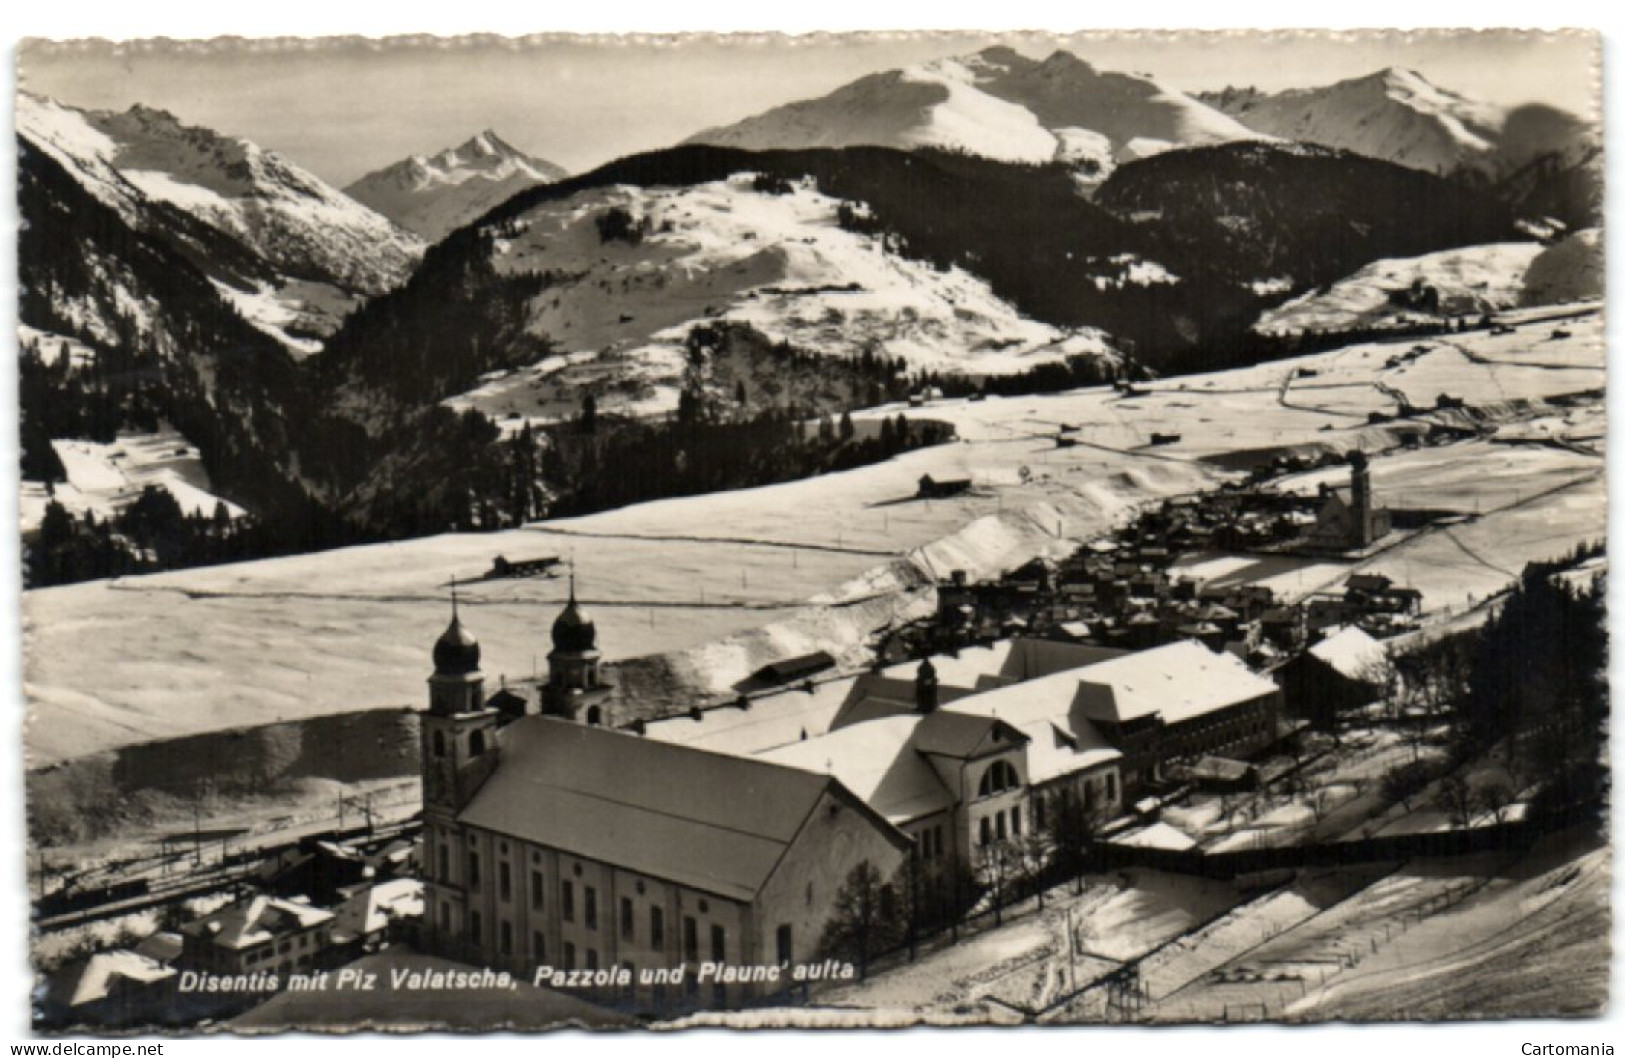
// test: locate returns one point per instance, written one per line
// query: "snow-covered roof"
(256, 919)
(1157, 836)
(371, 909)
(93, 979)
(1351, 652)
(877, 761)
(1178, 681)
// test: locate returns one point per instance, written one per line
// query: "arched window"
(476, 743)
(595, 716)
(439, 744)
(999, 776)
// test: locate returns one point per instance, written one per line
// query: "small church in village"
(1348, 518)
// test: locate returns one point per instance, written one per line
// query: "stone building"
(550, 840)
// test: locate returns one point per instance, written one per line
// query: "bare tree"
(1458, 799)
(869, 917)
(998, 863)
(1495, 797)
(1070, 830)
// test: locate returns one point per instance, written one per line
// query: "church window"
(504, 882)
(445, 863)
(473, 869)
(719, 943)
(591, 907)
(657, 927)
(567, 900)
(536, 890)
(505, 931)
(691, 939)
(626, 918)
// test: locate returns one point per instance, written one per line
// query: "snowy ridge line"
(121, 584)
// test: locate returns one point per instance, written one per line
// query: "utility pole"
(197, 824)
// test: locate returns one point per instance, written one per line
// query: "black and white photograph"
(852, 530)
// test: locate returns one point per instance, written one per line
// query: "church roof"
(710, 821)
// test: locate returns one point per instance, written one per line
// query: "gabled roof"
(877, 761)
(1350, 652)
(93, 978)
(1054, 751)
(253, 920)
(1179, 681)
(963, 736)
(707, 820)
(371, 909)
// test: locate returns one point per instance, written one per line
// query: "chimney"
(925, 687)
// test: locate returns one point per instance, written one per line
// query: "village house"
(258, 933)
(1342, 672)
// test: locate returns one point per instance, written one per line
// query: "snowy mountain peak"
(435, 194)
(997, 103)
(289, 218)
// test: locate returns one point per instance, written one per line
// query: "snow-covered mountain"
(434, 195)
(997, 103)
(289, 252)
(620, 310)
(1402, 117)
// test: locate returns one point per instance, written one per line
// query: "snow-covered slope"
(289, 251)
(432, 196)
(997, 103)
(1469, 281)
(1393, 114)
(1571, 270)
(1400, 116)
(619, 310)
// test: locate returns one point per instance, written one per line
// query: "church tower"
(575, 688)
(459, 731)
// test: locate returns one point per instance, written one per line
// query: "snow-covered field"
(104, 478)
(722, 583)
(1469, 281)
(723, 252)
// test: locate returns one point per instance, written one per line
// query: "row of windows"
(994, 827)
(657, 927)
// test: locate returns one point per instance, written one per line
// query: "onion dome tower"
(457, 685)
(459, 733)
(575, 686)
